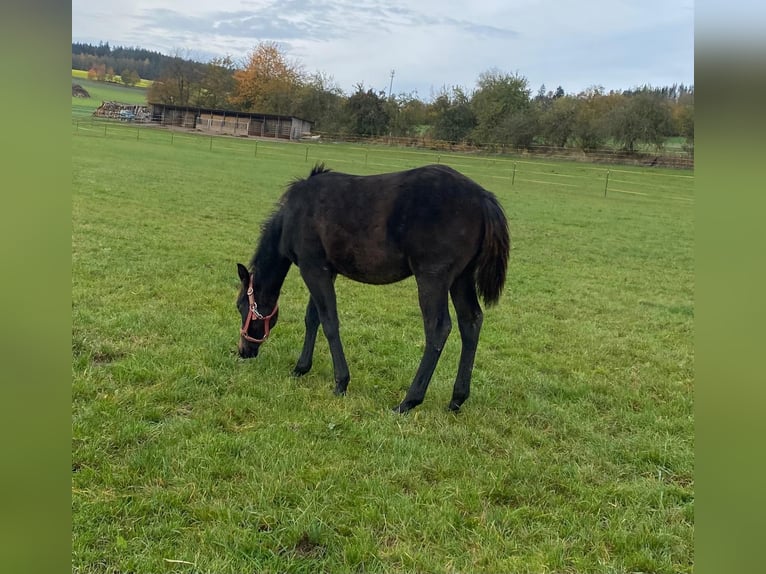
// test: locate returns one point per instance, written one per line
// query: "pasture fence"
(680, 157)
(519, 171)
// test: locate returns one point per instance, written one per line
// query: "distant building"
(230, 122)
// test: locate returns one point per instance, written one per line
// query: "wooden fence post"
(606, 183)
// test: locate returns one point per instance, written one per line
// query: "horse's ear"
(244, 274)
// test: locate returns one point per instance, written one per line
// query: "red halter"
(254, 315)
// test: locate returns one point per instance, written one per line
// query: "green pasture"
(574, 452)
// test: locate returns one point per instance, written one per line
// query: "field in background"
(574, 452)
(83, 75)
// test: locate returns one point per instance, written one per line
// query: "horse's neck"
(268, 263)
(271, 276)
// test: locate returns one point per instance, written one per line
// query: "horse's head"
(256, 323)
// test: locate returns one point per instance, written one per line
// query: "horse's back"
(382, 228)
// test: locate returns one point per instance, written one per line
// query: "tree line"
(501, 109)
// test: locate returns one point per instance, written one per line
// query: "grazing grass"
(573, 454)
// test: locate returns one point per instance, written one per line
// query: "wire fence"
(515, 170)
(679, 156)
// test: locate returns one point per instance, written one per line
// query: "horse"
(431, 222)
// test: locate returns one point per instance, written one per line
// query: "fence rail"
(530, 171)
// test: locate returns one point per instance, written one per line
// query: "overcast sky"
(429, 44)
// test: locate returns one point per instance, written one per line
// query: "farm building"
(231, 122)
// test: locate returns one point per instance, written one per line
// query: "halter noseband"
(254, 315)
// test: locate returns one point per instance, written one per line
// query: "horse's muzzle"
(247, 350)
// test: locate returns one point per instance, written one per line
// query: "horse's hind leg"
(432, 295)
(303, 365)
(469, 320)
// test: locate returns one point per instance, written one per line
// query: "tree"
(176, 83)
(520, 128)
(683, 120)
(366, 112)
(320, 99)
(557, 123)
(129, 77)
(406, 114)
(97, 72)
(590, 126)
(411, 115)
(216, 84)
(640, 118)
(453, 118)
(498, 96)
(268, 83)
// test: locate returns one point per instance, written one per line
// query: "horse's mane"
(271, 232)
(319, 168)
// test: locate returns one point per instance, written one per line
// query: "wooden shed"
(228, 122)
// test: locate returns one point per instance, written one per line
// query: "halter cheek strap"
(254, 315)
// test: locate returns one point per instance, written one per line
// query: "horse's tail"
(492, 260)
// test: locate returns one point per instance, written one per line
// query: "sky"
(429, 45)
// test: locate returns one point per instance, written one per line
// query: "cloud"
(430, 43)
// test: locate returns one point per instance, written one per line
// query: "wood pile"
(123, 112)
(79, 92)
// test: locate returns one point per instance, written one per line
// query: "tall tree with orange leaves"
(269, 81)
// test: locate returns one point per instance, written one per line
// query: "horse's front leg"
(320, 284)
(436, 322)
(303, 365)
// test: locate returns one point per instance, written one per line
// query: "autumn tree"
(268, 83)
(97, 72)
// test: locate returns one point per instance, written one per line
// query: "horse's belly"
(368, 264)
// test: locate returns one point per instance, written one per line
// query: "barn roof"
(223, 112)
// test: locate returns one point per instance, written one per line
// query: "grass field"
(573, 454)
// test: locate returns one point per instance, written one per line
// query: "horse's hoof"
(454, 407)
(400, 409)
(300, 371)
(339, 392)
